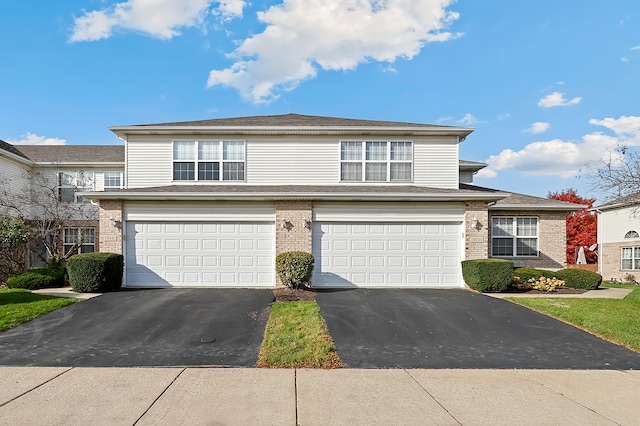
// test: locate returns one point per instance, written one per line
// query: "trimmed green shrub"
(95, 272)
(31, 280)
(487, 275)
(580, 278)
(295, 268)
(36, 279)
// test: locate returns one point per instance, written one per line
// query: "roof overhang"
(522, 207)
(123, 131)
(79, 164)
(16, 158)
(271, 195)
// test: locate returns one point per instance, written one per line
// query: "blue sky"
(549, 85)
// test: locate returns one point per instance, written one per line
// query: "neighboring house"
(619, 238)
(378, 203)
(43, 182)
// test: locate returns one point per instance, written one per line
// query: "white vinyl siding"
(614, 224)
(16, 175)
(327, 211)
(291, 160)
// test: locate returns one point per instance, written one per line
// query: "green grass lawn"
(296, 336)
(615, 320)
(18, 306)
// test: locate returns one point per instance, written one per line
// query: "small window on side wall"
(631, 234)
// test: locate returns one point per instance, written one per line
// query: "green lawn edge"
(18, 306)
(296, 336)
(615, 320)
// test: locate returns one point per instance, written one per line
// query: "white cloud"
(33, 139)
(303, 36)
(538, 127)
(624, 59)
(468, 120)
(158, 18)
(566, 158)
(636, 47)
(557, 99)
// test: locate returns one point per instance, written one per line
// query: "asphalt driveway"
(423, 328)
(159, 327)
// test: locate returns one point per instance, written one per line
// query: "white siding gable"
(614, 224)
(289, 160)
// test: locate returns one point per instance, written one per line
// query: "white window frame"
(120, 177)
(88, 236)
(363, 161)
(78, 181)
(516, 236)
(635, 258)
(221, 159)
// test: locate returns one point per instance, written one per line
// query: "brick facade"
(552, 239)
(611, 261)
(110, 236)
(293, 236)
(476, 239)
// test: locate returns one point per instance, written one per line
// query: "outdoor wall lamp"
(112, 222)
(474, 222)
(283, 222)
(305, 223)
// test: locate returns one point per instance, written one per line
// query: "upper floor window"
(631, 234)
(83, 239)
(70, 183)
(113, 180)
(514, 236)
(209, 160)
(376, 161)
(630, 258)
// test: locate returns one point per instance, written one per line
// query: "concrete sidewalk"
(171, 396)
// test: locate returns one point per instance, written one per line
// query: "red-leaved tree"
(582, 225)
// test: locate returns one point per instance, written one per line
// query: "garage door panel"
(200, 254)
(378, 254)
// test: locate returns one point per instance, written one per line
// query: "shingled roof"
(72, 153)
(292, 120)
(5, 146)
(627, 200)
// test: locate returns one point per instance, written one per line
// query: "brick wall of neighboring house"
(611, 257)
(552, 239)
(294, 236)
(476, 239)
(110, 237)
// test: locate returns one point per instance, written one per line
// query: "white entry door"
(386, 254)
(161, 254)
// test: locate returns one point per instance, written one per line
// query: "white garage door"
(392, 254)
(199, 254)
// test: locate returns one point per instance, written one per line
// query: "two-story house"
(378, 203)
(41, 183)
(619, 238)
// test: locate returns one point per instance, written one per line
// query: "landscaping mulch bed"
(284, 294)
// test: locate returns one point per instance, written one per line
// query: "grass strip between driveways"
(296, 336)
(18, 306)
(613, 319)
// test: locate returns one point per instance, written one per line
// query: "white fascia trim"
(17, 158)
(122, 131)
(146, 196)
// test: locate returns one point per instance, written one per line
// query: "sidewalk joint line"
(432, 397)
(295, 390)
(41, 384)
(159, 396)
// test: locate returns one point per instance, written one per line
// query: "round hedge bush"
(580, 278)
(95, 272)
(295, 268)
(487, 275)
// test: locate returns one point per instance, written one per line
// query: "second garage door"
(386, 254)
